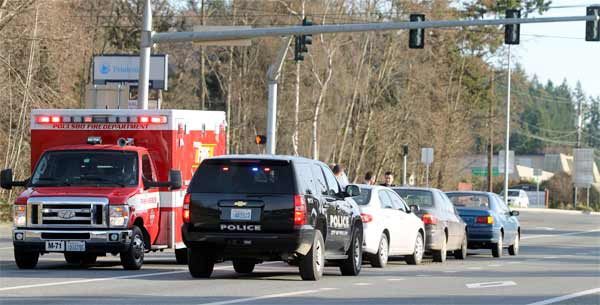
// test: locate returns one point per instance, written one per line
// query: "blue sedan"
(490, 223)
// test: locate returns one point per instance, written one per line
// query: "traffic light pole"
(507, 143)
(272, 77)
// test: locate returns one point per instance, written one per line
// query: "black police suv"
(255, 208)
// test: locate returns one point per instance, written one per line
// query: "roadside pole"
(507, 143)
(145, 46)
(272, 77)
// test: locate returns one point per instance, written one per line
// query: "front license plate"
(76, 246)
(241, 214)
(55, 246)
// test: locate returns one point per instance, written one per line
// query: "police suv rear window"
(243, 177)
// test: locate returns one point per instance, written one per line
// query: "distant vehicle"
(517, 198)
(390, 227)
(445, 230)
(255, 208)
(490, 223)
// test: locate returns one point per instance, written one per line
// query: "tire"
(181, 256)
(25, 259)
(312, 265)
(417, 257)
(133, 257)
(462, 252)
(514, 248)
(497, 248)
(380, 259)
(243, 266)
(82, 259)
(440, 255)
(353, 264)
(201, 262)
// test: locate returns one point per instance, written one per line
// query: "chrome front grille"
(67, 212)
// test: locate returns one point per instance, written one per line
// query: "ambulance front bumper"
(102, 241)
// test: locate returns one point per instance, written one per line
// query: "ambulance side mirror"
(175, 179)
(7, 182)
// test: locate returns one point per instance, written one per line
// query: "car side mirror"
(414, 208)
(514, 213)
(175, 179)
(352, 190)
(7, 182)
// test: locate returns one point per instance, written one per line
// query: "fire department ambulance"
(109, 181)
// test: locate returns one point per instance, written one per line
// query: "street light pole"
(145, 46)
(507, 143)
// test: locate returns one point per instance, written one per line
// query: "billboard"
(126, 69)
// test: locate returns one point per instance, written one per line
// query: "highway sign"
(583, 164)
(427, 155)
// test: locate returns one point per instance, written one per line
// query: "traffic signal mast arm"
(346, 28)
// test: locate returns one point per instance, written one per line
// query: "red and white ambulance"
(109, 181)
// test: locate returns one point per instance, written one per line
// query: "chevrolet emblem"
(240, 203)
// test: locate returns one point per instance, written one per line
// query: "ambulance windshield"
(86, 168)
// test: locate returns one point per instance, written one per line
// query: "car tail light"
(366, 218)
(486, 220)
(186, 208)
(299, 211)
(429, 219)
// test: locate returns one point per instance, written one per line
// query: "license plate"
(241, 214)
(76, 246)
(55, 246)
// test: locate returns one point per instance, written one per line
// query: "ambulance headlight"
(119, 215)
(20, 215)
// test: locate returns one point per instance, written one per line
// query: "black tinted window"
(243, 177)
(420, 198)
(332, 183)
(320, 184)
(147, 168)
(306, 181)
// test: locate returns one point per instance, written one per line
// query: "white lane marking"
(567, 297)
(545, 228)
(450, 271)
(268, 296)
(494, 265)
(363, 284)
(491, 284)
(109, 278)
(474, 268)
(422, 275)
(395, 280)
(550, 257)
(555, 235)
(515, 262)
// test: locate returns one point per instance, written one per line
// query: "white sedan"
(390, 227)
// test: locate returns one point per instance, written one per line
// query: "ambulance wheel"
(181, 256)
(133, 257)
(201, 262)
(25, 259)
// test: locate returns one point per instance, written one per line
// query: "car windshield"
(364, 197)
(243, 177)
(513, 193)
(477, 201)
(86, 168)
(420, 198)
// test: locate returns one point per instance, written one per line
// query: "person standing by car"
(340, 175)
(369, 178)
(388, 179)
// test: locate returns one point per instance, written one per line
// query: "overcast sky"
(560, 58)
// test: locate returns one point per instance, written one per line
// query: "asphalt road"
(559, 263)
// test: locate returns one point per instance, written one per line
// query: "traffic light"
(592, 28)
(261, 139)
(512, 32)
(405, 150)
(416, 39)
(301, 41)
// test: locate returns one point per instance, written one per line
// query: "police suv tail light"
(429, 219)
(366, 218)
(186, 208)
(299, 211)
(20, 215)
(486, 220)
(119, 215)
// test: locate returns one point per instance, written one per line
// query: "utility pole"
(145, 48)
(490, 156)
(578, 142)
(272, 79)
(507, 143)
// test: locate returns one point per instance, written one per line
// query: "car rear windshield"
(364, 197)
(243, 177)
(477, 201)
(420, 198)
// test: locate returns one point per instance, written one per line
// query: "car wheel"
(353, 264)
(514, 248)
(201, 262)
(243, 266)
(133, 257)
(181, 256)
(312, 265)
(380, 259)
(417, 257)
(498, 247)
(440, 255)
(462, 252)
(25, 259)
(81, 259)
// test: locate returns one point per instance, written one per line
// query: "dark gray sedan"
(445, 229)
